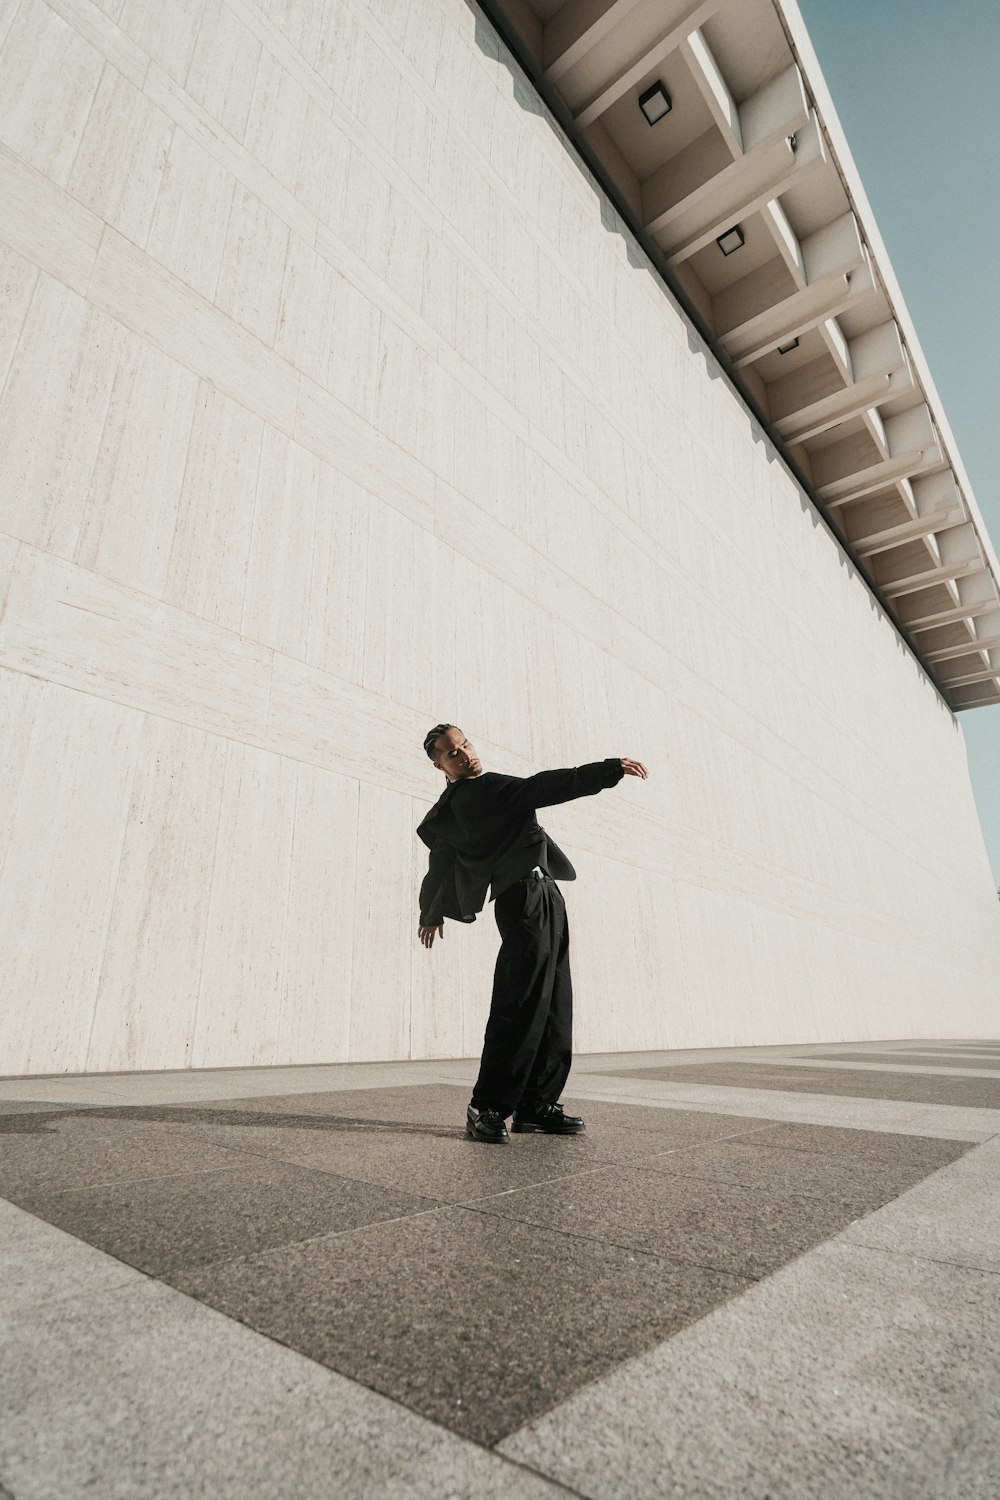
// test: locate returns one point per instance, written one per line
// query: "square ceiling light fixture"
(731, 240)
(655, 103)
(787, 348)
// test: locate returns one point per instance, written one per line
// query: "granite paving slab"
(139, 1393)
(46, 1152)
(163, 1223)
(952, 1217)
(445, 1166)
(927, 1151)
(849, 1375)
(910, 1059)
(473, 1321)
(713, 1223)
(969, 1093)
(858, 1185)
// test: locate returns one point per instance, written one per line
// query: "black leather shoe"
(486, 1125)
(550, 1118)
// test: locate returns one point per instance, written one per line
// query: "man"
(482, 832)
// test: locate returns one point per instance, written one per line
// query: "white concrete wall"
(333, 402)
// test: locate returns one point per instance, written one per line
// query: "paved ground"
(770, 1274)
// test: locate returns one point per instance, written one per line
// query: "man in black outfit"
(482, 832)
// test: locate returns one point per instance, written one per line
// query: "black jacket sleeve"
(547, 788)
(437, 885)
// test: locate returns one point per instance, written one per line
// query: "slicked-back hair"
(430, 739)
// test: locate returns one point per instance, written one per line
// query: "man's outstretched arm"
(547, 788)
(433, 889)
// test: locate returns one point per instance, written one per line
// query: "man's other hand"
(634, 767)
(428, 934)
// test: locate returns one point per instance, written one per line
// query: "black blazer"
(483, 833)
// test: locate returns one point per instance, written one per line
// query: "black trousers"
(528, 1048)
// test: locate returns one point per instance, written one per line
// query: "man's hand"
(634, 767)
(428, 934)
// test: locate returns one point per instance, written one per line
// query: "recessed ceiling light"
(787, 348)
(655, 103)
(731, 240)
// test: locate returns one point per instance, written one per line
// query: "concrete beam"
(912, 449)
(968, 648)
(685, 225)
(642, 63)
(575, 28)
(837, 273)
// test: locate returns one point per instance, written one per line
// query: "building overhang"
(737, 179)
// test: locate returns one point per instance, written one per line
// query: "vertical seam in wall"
(284, 930)
(208, 904)
(354, 921)
(133, 772)
(264, 426)
(39, 273)
(105, 65)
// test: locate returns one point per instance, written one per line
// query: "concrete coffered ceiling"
(804, 312)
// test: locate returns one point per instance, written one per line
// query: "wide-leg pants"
(528, 1047)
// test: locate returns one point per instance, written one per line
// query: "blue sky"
(915, 86)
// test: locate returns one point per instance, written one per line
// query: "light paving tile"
(323, 166)
(317, 973)
(277, 119)
(94, 23)
(143, 453)
(155, 304)
(119, 167)
(18, 278)
(148, 990)
(63, 853)
(338, 586)
(275, 603)
(165, 35)
(401, 602)
(191, 218)
(115, 1363)
(207, 572)
(70, 626)
(9, 547)
(43, 1267)
(241, 974)
(349, 444)
(52, 413)
(845, 1373)
(45, 225)
(329, 329)
(384, 926)
(953, 1217)
(48, 78)
(253, 264)
(224, 67)
(240, 163)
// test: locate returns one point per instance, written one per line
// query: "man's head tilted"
(451, 752)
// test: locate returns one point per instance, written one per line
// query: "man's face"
(456, 757)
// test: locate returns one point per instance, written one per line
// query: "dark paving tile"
(724, 1225)
(46, 1152)
(914, 1088)
(32, 1107)
(439, 1161)
(856, 1185)
(164, 1223)
(910, 1059)
(410, 1104)
(860, 1145)
(477, 1323)
(442, 1165)
(669, 1126)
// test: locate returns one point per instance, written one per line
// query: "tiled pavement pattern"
(312, 1283)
